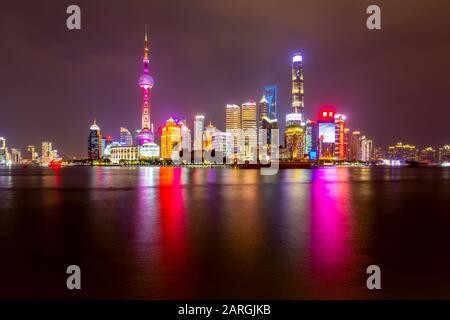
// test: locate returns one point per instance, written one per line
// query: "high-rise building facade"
(208, 137)
(294, 136)
(366, 149)
(126, 139)
(271, 96)
(234, 128)
(16, 156)
(47, 146)
(186, 144)
(94, 144)
(327, 133)
(171, 140)
(444, 154)
(402, 152)
(298, 96)
(3, 151)
(199, 126)
(341, 137)
(311, 137)
(221, 144)
(32, 153)
(355, 146)
(146, 83)
(295, 141)
(428, 154)
(249, 131)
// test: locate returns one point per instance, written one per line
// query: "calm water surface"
(177, 233)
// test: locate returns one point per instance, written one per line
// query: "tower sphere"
(146, 81)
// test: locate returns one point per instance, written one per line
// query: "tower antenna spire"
(146, 58)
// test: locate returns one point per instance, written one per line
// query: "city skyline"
(330, 78)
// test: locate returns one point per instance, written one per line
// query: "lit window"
(324, 114)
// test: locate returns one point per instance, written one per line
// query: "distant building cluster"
(30, 156)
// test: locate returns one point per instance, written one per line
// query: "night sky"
(392, 84)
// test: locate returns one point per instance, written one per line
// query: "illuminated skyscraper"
(444, 154)
(199, 126)
(3, 151)
(341, 141)
(234, 128)
(221, 144)
(327, 133)
(355, 146)
(249, 131)
(171, 140)
(16, 156)
(210, 130)
(366, 149)
(263, 109)
(126, 139)
(146, 83)
(271, 96)
(310, 137)
(294, 135)
(32, 153)
(94, 144)
(298, 97)
(186, 144)
(48, 146)
(295, 141)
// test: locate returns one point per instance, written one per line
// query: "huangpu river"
(196, 233)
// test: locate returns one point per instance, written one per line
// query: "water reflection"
(331, 248)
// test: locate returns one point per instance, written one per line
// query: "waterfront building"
(268, 139)
(402, 152)
(16, 156)
(327, 133)
(366, 149)
(249, 131)
(311, 138)
(199, 127)
(106, 141)
(428, 154)
(118, 153)
(221, 144)
(234, 128)
(3, 151)
(355, 146)
(378, 153)
(298, 96)
(263, 109)
(186, 144)
(125, 139)
(207, 137)
(148, 151)
(48, 146)
(444, 154)
(271, 96)
(146, 83)
(295, 141)
(171, 140)
(33, 155)
(341, 137)
(94, 144)
(294, 136)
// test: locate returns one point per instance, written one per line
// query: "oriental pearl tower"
(146, 84)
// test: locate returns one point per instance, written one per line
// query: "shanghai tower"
(298, 97)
